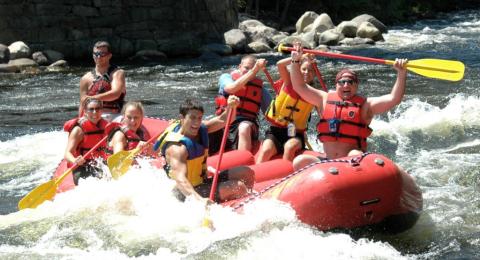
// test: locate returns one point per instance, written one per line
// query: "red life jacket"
(133, 138)
(349, 127)
(102, 84)
(250, 96)
(92, 134)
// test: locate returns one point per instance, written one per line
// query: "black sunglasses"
(98, 54)
(93, 109)
(343, 81)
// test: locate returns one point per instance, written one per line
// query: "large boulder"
(306, 19)
(23, 63)
(322, 23)
(368, 30)
(348, 28)
(220, 49)
(4, 54)
(19, 50)
(258, 32)
(330, 37)
(236, 39)
(40, 58)
(53, 56)
(258, 47)
(371, 19)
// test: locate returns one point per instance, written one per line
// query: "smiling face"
(93, 111)
(346, 84)
(133, 117)
(307, 72)
(191, 123)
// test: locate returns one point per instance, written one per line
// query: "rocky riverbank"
(315, 31)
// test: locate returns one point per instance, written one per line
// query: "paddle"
(432, 68)
(120, 162)
(47, 190)
(206, 221)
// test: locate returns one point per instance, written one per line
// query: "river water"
(434, 134)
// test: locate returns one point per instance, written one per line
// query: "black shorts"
(279, 136)
(232, 142)
(84, 171)
(204, 188)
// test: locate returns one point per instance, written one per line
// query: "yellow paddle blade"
(37, 196)
(120, 162)
(434, 68)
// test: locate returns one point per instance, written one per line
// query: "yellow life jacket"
(197, 151)
(287, 107)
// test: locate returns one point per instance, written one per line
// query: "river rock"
(348, 28)
(259, 47)
(368, 30)
(19, 50)
(306, 19)
(330, 37)
(4, 54)
(40, 58)
(356, 41)
(53, 56)
(23, 63)
(236, 39)
(288, 41)
(371, 19)
(322, 23)
(8, 68)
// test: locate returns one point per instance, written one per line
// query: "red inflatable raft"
(367, 190)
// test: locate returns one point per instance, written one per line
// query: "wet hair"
(135, 104)
(92, 100)
(190, 104)
(353, 76)
(103, 44)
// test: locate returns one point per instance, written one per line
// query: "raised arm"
(176, 156)
(382, 104)
(283, 71)
(307, 92)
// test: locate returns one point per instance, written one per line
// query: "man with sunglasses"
(345, 116)
(105, 82)
(84, 133)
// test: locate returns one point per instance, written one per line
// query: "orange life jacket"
(342, 121)
(92, 134)
(250, 96)
(102, 84)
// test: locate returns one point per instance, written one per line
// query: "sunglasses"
(343, 81)
(98, 54)
(94, 109)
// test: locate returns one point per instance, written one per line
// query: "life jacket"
(102, 84)
(133, 138)
(250, 96)
(350, 128)
(92, 134)
(287, 107)
(197, 151)
(220, 104)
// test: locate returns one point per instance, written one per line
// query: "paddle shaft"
(220, 154)
(46, 191)
(365, 59)
(75, 165)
